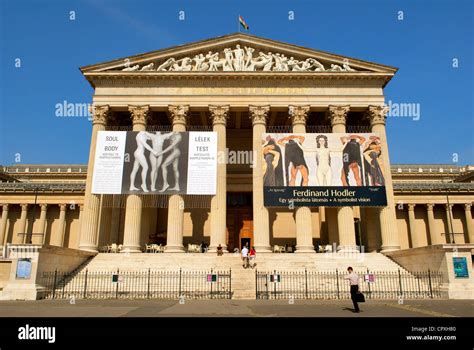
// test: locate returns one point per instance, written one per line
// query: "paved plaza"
(235, 308)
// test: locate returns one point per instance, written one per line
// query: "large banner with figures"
(131, 162)
(323, 170)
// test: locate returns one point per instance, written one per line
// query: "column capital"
(338, 114)
(430, 206)
(62, 207)
(377, 114)
(259, 114)
(298, 114)
(139, 114)
(178, 114)
(219, 114)
(5, 207)
(467, 206)
(24, 207)
(81, 207)
(100, 114)
(44, 207)
(448, 206)
(411, 206)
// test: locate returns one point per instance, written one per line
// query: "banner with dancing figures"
(323, 170)
(143, 162)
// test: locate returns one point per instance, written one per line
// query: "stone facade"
(53, 204)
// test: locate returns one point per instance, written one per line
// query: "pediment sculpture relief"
(239, 60)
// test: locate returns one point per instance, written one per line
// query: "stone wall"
(43, 259)
(439, 258)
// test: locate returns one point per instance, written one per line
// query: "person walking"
(354, 283)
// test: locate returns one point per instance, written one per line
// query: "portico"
(278, 87)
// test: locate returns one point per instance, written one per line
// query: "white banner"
(202, 163)
(146, 162)
(108, 164)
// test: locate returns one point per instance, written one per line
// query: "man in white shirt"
(354, 282)
(245, 256)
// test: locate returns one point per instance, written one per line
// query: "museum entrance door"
(239, 220)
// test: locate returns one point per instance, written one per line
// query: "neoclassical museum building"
(239, 86)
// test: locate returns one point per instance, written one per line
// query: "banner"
(143, 162)
(323, 170)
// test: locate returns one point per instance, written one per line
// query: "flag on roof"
(242, 22)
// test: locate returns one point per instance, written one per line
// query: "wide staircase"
(265, 262)
(243, 281)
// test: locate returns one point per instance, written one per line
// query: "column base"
(131, 249)
(305, 249)
(386, 249)
(174, 249)
(263, 249)
(89, 248)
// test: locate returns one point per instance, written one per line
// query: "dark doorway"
(245, 242)
(239, 219)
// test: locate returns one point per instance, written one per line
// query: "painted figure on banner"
(323, 161)
(351, 159)
(272, 163)
(373, 170)
(294, 159)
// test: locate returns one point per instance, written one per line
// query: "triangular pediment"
(238, 53)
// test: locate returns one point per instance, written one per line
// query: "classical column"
(90, 219)
(345, 215)
(304, 228)
(469, 225)
(3, 224)
(449, 217)
(435, 237)
(388, 219)
(415, 239)
(133, 206)
(219, 115)
(42, 226)
(105, 224)
(62, 224)
(261, 225)
(23, 216)
(174, 235)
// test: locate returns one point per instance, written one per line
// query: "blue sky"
(52, 48)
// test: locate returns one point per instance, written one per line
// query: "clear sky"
(51, 47)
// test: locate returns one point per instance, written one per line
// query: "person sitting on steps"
(220, 250)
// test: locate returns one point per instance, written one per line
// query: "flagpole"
(238, 24)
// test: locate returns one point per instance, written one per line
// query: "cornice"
(118, 78)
